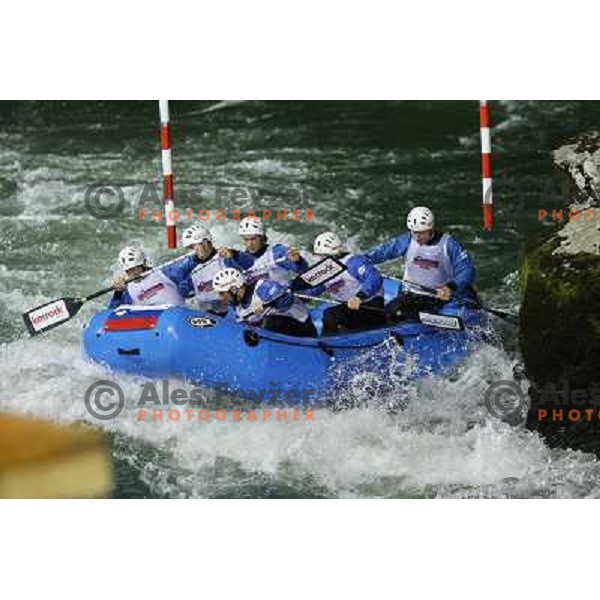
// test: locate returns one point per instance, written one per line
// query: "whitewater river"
(361, 166)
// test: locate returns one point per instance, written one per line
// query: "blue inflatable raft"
(220, 353)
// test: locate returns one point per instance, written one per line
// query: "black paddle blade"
(52, 314)
(317, 275)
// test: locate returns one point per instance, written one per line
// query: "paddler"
(208, 263)
(432, 259)
(158, 287)
(261, 260)
(359, 288)
(264, 303)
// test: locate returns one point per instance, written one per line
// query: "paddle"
(337, 302)
(325, 270)
(439, 321)
(508, 317)
(55, 313)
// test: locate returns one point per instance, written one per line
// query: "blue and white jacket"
(160, 287)
(360, 279)
(456, 262)
(271, 262)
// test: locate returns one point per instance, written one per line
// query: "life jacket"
(427, 265)
(346, 286)
(265, 267)
(155, 289)
(202, 278)
(297, 310)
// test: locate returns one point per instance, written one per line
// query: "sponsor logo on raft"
(105, 400)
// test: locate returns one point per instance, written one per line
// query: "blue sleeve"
(280, 251)
(462, 265)
(186, 287)
(119, 298)
(181, 270)
(268, 289)
(315, 291)
(284, 301)
(240, 260)
(394, 248)
(369, 277)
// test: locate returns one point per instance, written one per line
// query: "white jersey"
(266, 267)
(427, 265)
(154, 289)
(202, 278)
(346, 286)
(297, 310)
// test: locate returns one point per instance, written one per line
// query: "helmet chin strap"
(234, 298)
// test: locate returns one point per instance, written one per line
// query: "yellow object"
(42, 460)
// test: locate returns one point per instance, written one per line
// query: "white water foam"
(444, 444)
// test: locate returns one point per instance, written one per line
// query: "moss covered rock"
(560, 310)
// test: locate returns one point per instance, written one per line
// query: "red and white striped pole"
(167, 165)
(486, 165)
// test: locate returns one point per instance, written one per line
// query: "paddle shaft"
(59, 311)
(140, 276)
(337, 302)
(509, 317)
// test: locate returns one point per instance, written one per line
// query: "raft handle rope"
(251, 337)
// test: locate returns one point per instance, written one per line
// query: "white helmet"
(327, 244)
(225, 279)
(251, 226)
(420, 218)
(195, 234)
(130, 257)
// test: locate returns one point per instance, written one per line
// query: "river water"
(361, 166)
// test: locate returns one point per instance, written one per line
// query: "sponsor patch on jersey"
(426, 263)
(151, 291)
(336, 286)
(204, 286)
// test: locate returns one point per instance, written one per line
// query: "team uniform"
(159, 287)
(440, 262)
(362, 280)
(199, 284)
(283, 312)
(270, 262)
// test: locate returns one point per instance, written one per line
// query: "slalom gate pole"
(486, 165)
(167, 165)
